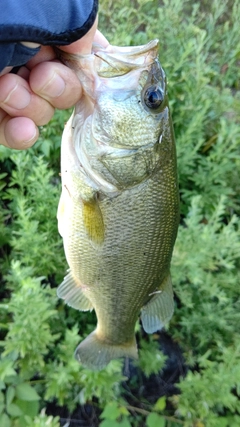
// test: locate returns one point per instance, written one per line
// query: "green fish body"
(119, 209)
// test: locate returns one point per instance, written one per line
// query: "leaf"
(160, 404)
(109, 423)
(29, 408)
(155, 420)
(10, 395)
(123, 410)
(25, 392)
(5, 420)
(6, 370)
(125, 423)
(14, 410)
(3, 175)
(24, 421)
(111, 411)
(222, 422)
(151, 360)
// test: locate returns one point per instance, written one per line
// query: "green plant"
(200, 52)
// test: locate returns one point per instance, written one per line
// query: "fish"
(118, 212)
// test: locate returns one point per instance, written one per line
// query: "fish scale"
(119, 210)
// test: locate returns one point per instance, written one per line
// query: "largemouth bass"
(119, 209)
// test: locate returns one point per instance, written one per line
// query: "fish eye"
(153, 97)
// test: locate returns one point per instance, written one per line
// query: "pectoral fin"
(93, 221)
(159, 309)
(72, 293)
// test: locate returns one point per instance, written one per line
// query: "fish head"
(130, 96)
(121, 128)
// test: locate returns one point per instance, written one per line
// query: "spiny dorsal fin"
(159, 309)
(73, 295)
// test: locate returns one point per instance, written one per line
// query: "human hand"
(28, 98)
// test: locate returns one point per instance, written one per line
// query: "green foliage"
(33, 193)
(110, 423)
(49, 142)
(116, 415)
(18, 399)
(200, 52)
(151, 360)
(208, 393)
(72, 384)
(42, 420)
(154, 420)
(206, 279)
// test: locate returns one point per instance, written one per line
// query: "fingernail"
(5, 71)
(55, 87)
(18, 98)
(31, 140)
(30, 44)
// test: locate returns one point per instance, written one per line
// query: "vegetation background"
(41, 384)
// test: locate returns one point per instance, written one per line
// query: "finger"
(56, 83)
(19, 133)
(23, 72)
(17, 99)
(46, 53)
(100, 39)
(83, 45)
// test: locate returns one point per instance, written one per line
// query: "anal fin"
(159, 309)
(71, 292)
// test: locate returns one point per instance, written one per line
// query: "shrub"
(200, 51)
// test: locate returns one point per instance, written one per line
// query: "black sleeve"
(48, 22)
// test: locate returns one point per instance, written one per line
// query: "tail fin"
(96, 354)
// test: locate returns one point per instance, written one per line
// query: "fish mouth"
(115, 61)
(130, 56)
(103, 64)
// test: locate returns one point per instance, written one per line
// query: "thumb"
(83, 45)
